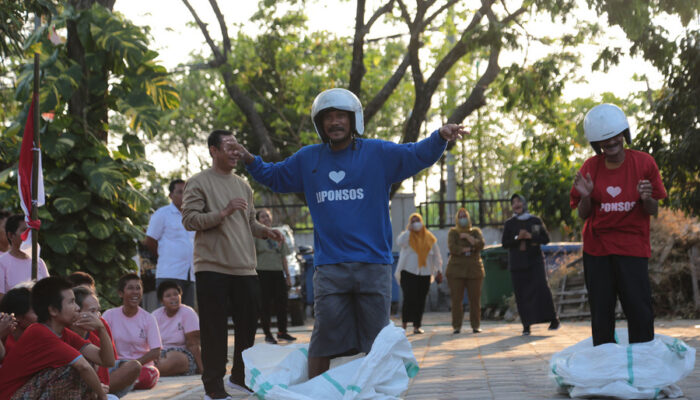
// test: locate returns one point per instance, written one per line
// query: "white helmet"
(340, 99)
(603, 122)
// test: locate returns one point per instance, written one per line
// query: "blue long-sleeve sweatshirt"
(347, 192)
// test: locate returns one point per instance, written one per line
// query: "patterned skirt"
(54, 383)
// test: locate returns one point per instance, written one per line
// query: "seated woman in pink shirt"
(135, 331)
(179, 332)
(16, 265)
(17, 302)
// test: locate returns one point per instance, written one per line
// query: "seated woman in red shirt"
(125, 376)
(17, 301)
(122, 377)
(50, 360)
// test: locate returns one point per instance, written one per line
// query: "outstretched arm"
(284, 176)
(401, 161)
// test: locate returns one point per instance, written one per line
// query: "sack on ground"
(280, 372)
(638, 371)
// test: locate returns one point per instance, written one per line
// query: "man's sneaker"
(240, 388)
(526, 331)
(270, 339)
(418, 331)
(285, 336)
(554, 325)
(222, 395)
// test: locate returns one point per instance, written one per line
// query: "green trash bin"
(497, 285)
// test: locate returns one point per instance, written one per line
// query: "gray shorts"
(351, 305)
(191, 363)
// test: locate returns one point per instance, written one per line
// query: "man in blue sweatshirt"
(346, 181)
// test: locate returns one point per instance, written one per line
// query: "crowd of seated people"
(54, 342)
(50, 361)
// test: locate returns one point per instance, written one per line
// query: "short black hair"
(165, 285)
(78, 278)
(174, 182)
(214, 138)
(47, 293)
(126, 278)
(17, 301)
(12, 224)
(81, 292)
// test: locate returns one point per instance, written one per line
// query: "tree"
(95, 206)
(14, 15)
(673, 133)
(184, 130)
(484, 31)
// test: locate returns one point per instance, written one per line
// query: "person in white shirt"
(174, 246)
(419, 258)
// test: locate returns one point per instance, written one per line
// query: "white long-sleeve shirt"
(408, 258)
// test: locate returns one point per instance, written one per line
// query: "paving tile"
(497, 364)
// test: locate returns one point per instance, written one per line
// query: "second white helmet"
(339, 99)
(603, 122)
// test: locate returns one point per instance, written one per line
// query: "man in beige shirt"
(218, 205)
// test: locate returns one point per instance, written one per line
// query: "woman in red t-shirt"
(616, 191)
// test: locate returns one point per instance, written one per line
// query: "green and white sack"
(621, 370)
(280, 372)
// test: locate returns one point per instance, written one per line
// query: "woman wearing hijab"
(465, 270)
(419, 259)
(523, 234)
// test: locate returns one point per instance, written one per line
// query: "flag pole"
(35, 158)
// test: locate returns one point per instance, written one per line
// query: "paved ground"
(496, 364)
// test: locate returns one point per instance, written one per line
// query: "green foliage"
(281, 70)
(673, 134)
(14, 14)
(184, 130)
(96, 207)
(546, 180)
(637, 19)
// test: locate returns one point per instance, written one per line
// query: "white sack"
(280, 372)
(638, 371)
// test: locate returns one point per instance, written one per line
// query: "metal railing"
(483, 213)
(436, 214)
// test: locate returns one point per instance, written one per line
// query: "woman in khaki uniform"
(465, 270)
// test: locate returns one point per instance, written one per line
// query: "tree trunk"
(87, 108)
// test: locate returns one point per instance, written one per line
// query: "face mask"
(463, 221)
(416, 226)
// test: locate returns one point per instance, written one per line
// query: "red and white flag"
(24, 176)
